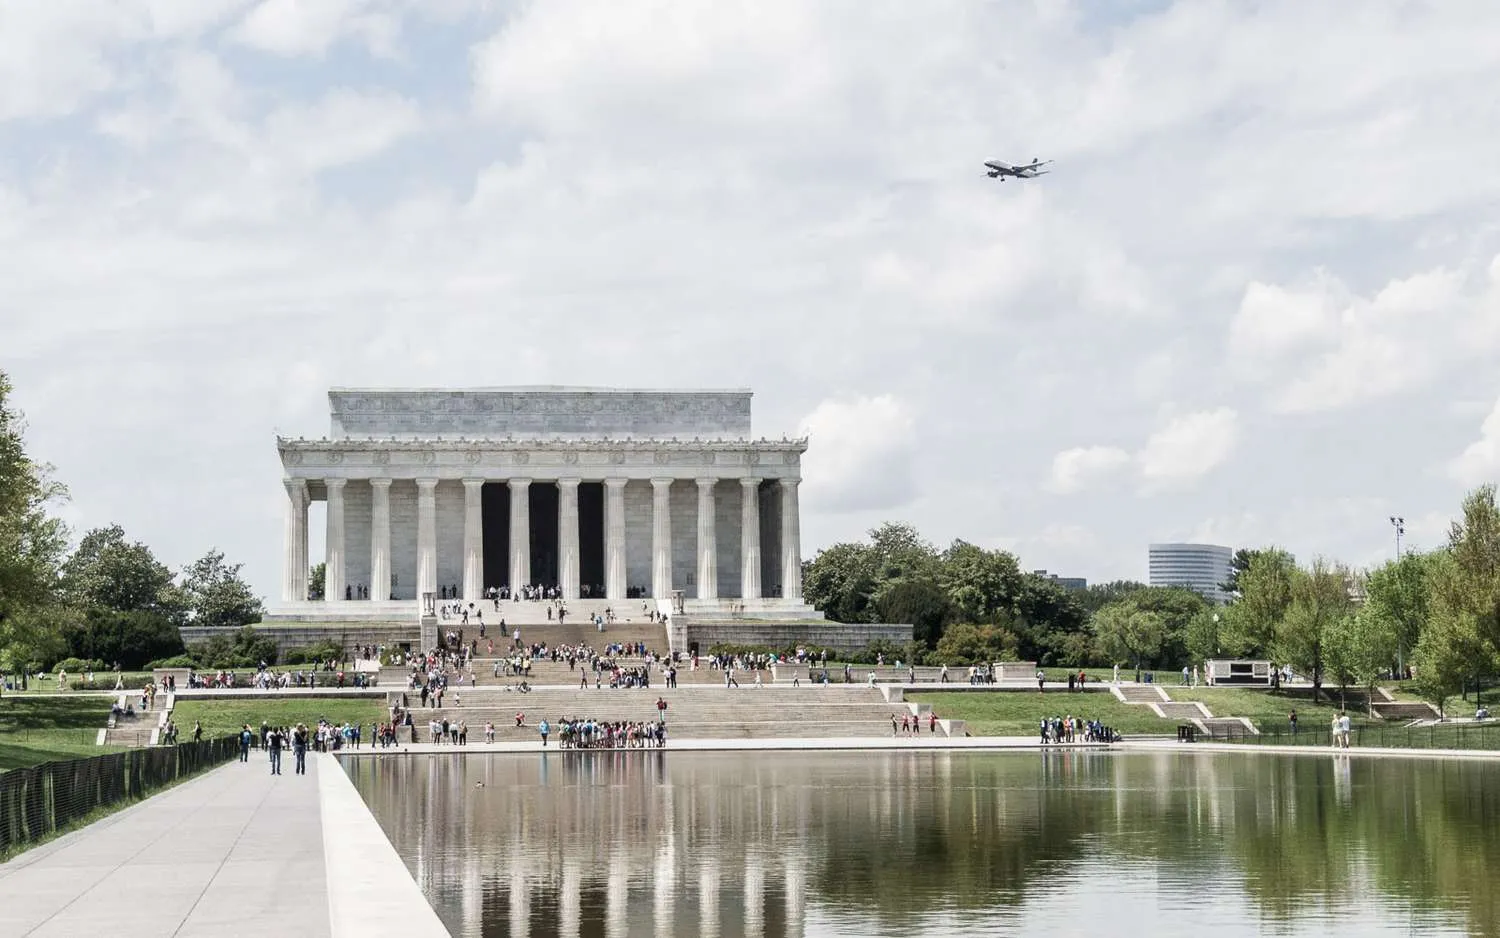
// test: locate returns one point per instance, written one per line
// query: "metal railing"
(39, 801)
(1376, 736)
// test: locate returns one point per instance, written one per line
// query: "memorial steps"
(533, 612)
(692, 713)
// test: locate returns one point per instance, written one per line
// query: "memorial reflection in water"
(784, 844)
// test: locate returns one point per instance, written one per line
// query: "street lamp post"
(1400, 525)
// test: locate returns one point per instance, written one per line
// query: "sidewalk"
(235, 851)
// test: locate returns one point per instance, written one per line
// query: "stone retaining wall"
(346, 634)
(835, 636)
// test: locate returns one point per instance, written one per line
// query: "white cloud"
(1189, 446)
(864, 458)
(1322, 347)
(1480, 461)
(195, 237)
(309, 27)
(1075, 469)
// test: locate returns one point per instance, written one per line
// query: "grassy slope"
(1013, 713)
(40, 729)
(1018, 713)
(221, 717)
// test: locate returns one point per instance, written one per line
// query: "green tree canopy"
(1127, 633)
(1265, 593)
(32, 543)
(1398, 599)
(216, 595)
(1319, 601)
(107, 571)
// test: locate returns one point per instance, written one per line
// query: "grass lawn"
(103, 681)
(1019, 713)
(223, 717)
(42, 729)
(1266, 710)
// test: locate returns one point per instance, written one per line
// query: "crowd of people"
(1071, 729)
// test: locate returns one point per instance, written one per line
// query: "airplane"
(1027, 171)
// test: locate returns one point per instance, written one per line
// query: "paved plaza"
(235, 851)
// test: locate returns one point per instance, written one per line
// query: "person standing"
(274, 742)
(1292, 720)
(197, 731)
(245, 737)
(299, 748)
(544, 728)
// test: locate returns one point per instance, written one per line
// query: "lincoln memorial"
(600, 494)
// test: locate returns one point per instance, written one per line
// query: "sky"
(1256, 301)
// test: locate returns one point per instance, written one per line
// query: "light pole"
(1400, 525)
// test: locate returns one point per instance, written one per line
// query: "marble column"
(617, 897)
(708, 899)
(795, 883)
(750, 538)
(567, 537)
(614, 539)
(570, 906)
(520, 534)
(380, 539)
(791, 542)
(333, 557)
(426, 537)
(708, 551)
(294, 550)
(755, 898)
(473, 540)
(661, 539)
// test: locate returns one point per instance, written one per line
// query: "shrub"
(313, 654)
(77, 666)
(176, 661)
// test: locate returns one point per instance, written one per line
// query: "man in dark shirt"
(299, 748)
(274, 741)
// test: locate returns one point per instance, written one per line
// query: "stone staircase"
(533, 613)
(1161, 703)
(1387, 707)
(692, 713)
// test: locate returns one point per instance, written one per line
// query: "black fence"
(1484, 735)
(37, 802)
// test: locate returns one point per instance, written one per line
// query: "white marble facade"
(669, 486)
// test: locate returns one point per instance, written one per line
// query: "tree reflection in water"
(775, 843)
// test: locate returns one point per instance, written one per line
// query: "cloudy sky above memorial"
(1261, 304)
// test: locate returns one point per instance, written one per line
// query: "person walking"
(245, 737)
(544, 728)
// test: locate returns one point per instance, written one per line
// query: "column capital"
(381, 482)
(750, 483)
(568, 483)
(295, 485)
(660, 484)
(706, 483)
(473, 483)
(790, 483)
(334, 484)
(615, 482)
(427, 485)
(519, 482)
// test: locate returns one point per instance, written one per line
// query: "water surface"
(890, 843)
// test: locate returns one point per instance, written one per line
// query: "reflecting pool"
(650, 843)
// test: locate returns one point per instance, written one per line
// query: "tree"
(1398, 598)
(1178, 607)
(131, 638)
(1474, 587)
(1097, 596)
(1126, 633)
(109, 572)
(1359, 648)
(1265, 592)
(1239, 564)
(1445, 656)
(983, 585)
(967, 643)
(1319, 600)
(315, 580)
(217, 596)
(1201, 637)
(32, 544)
(918, 601)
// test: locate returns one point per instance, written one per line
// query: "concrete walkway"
(233, 852)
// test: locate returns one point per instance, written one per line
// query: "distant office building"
(1202, 568)
(1066, 582)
